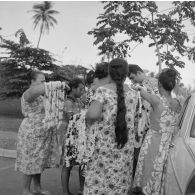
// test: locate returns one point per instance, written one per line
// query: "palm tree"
(43, 16)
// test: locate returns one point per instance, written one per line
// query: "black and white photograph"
(97, 97)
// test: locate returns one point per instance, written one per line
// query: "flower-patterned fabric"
(109, 171)
(79, 141)
(142, 117)
(38, 144)
(35, 142)
(153, 155)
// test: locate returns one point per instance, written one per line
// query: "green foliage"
(22, 37)
(185, 10)
(138, 20)
(20, 58)
(68, 72)
(17, 62)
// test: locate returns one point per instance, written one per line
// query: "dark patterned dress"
(109, 171)
(71, 136)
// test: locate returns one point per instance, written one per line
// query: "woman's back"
(34, 108)
(110, 167)
(164, 118)
(108, 97)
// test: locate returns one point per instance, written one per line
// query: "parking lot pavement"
(11, 183)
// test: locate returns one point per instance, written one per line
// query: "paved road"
(10, 181)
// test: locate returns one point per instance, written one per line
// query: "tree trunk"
(158, 53)
(41, 31)
(157, 49)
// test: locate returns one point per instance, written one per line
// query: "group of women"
(66, 126)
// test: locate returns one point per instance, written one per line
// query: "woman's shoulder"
(175, 105)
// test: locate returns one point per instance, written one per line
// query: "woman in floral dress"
(109, 171)
(72, 109)
(149, 175)
(35, 147)
(100, 77)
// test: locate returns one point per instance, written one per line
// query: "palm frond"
(52, 12)
(52, 19)
(46, 26)
(47, 5)
(37, 21)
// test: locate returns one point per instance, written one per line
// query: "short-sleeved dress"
(36, 144)
(71, 136)
(149, 175)
(109, 172)
(76, 138)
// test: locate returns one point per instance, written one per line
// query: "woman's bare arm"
(33, 92)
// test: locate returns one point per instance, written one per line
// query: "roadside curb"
(7, 153)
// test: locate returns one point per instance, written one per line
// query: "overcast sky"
(69, 40)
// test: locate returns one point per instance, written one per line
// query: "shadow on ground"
(10, 181)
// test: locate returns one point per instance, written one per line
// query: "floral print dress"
(71, 136)
(109, 171)
(78, 140)
(153, 155)
(36, 145)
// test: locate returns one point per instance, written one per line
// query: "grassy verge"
(9, 123)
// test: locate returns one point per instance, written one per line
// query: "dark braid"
(121, 125)
(118, 72)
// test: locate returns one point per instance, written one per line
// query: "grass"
(10, 115)
(9, 123)
(10, 108)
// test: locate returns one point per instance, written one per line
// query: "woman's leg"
(65, 177)
(26, 184)
(37, 182)
(82, 177)
(37, 185)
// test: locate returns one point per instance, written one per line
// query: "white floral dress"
(149, 175)
(36, 146)
(109, 172)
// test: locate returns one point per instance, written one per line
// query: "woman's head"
(100, 75)
(76, 87)
(118, 70)
(37, 77)
(167, 80)
(89, 78)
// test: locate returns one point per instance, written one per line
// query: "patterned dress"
(36, 147)
(154, 151)
(142, 117)
(142, 121)
(109, 171)
(71, 136)
(78, 144)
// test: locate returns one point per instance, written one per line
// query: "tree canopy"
(20, 58)
(16, 63)
(138, 20)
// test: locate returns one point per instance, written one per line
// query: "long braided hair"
(118, 70)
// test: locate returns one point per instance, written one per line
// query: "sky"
(69, 41)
